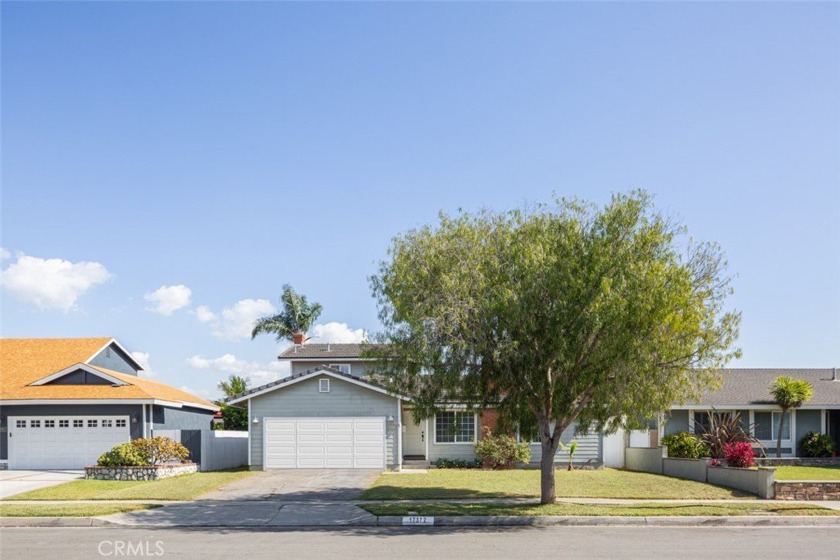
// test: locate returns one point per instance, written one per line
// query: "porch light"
(390, 418)
(255, 420)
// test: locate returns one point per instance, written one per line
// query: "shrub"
(816, 445)
(501, 451)
(161, 450)
(725, 428)
(443, 463)
(685, 445)
(123, 455)
(739, 454)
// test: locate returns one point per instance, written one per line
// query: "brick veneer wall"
(489, 419)
(807, 490)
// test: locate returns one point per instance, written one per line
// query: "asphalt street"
(434, 543)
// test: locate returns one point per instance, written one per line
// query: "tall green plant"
(297, 317)
(570, 449)
(789, 393)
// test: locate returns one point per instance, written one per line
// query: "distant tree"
(788, 393)
(234, 417)
(294, 321)
(557, 315)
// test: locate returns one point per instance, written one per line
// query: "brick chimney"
(298, 338)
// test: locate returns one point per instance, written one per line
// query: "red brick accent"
(489, 419)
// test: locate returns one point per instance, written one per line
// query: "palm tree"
(233, 385)
(788, 393)
(291, 323)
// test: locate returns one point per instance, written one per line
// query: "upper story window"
(455, 427)
(343, 368)
(323, 385)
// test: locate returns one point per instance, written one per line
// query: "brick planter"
(151, 472)
(807, 490)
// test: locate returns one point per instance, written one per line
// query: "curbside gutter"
(473, 521)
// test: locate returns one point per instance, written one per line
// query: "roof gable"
(302, 376)
(57, 377)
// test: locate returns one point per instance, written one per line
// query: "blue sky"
(231, 148)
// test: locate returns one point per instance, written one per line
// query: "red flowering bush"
(739, 454)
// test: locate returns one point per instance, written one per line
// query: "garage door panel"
(63, 442)
(326, 443)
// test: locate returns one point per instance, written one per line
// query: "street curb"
(658, 521)
(55, 522)
(466, 521)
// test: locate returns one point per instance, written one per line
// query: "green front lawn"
(634, 510)
(67, 510)
(807, 473)
(187, 487)
(601, 483)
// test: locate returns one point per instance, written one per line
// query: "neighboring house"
(64, 401)
(332, 413)
(747, 391)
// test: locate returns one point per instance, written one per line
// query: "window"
(785, 425)
(107, 423)
(49, 423)
(92, 423)
(78, 423)
(343, 368)
(120, 423)
(767, 426)
(323, 385)
(455, 427)
(34, 423)
(20, 424)
(701, 420)
(64, 423)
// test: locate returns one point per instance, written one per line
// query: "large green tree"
(558, 314)
(297, 316)
(788, 393)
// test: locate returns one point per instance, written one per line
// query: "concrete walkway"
(17, 482)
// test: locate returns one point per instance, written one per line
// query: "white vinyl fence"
(213, 450)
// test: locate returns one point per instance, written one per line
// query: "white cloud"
(143, 359)
(229, 363)
(168, 299)
(204, 314)
(51, 283)
(238, 320)
(338, 333)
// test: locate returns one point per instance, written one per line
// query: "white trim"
(475, 430)
(74, 368)
(249, 433)
(337, 366)
(323, 388)
(170, 404)
(325, 359)
(312, 374)
(749, 407)
(121, 347)
(399, 435)
(426, 438)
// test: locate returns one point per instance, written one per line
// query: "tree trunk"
(779, 434)
(548, 493)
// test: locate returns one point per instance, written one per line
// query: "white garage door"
(324, 443)
(63, 442)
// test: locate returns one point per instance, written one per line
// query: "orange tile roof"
(26, 360)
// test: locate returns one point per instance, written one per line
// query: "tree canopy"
(788, 393)
(557, 314)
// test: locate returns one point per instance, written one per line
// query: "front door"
(414, 437)
(833, 425)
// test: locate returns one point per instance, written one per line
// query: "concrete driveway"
(15, 482)
(299, 485)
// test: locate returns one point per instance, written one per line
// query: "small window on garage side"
(107, 423)
(92, 423)
(78, 423)
(34, 423)
(343, 368)
(323, 385)
(20, 424)
(120, 423)
(64, 423)
(49, 423)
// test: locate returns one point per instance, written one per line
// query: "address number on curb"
(418, 520)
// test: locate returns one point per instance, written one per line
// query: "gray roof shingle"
(369, 380)
(332, 351)
(745, 386)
